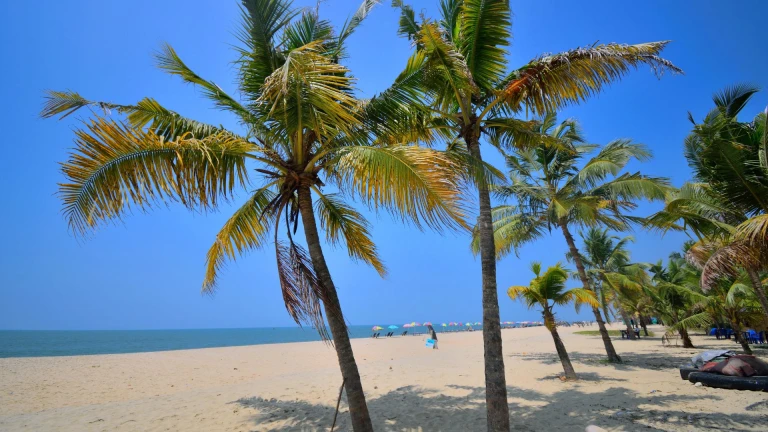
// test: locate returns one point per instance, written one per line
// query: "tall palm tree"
(551, 189)
(613, 276)
(548, 290)
(459, 71)
(726, 207)
(302, 128)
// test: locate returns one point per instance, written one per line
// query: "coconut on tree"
(300, 128)
(548, 290)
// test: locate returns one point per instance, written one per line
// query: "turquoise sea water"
(34, 343)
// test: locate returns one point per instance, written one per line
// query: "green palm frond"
(113, 166)
(416, 184)
(310, 91)
(354, 22)
(344, 224)
(169, 61)
(408, 27)
(146, 113)
(262, 21)
(445, 65)
(483, 37)
(552, 82)
(244, 231)
(579, 296)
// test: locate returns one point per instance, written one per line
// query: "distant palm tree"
(552, 188)
(547, 290)
(615, 278)
(302, 128)
(459, 70)
(674, 294)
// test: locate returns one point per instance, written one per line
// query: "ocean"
(39, 343)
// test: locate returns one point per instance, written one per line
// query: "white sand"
(294, 387)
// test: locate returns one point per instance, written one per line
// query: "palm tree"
(675, 294)
(547, 290)
(551, 190)
(726, 207)
(303, 128)
(613, 277)
(459, 71)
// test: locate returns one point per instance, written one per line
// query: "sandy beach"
(294, 387)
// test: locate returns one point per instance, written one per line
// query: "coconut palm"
(459, 70)
(726, 208)
(615, 279)
(675, 294)
(548, 290)
(301, 128)
(552, 188)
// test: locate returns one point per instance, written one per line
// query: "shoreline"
(294, 386)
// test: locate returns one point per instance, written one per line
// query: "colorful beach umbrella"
(415, 324)
(477, 323)
(468, 324)
(444, 325)
(393, 327)
(407, 325)
(377, 328)
(426, 323)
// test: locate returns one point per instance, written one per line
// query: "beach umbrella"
(468, 324)
(392, 327)
(426, 323)
(444, 325)
(377, 328)
(406, 326)
(477, 323)
(415, 324)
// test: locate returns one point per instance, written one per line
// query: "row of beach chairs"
(390, 334)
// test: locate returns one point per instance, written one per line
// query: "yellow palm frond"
(415, 183)
(516, 291)
(344, 224)
(113, 166)
(552, 82)
(582, 296)
(245, 230)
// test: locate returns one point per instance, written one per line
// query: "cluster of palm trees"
(307, 148)
(717, 280)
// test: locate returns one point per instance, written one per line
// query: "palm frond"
(303, 293)
(342, 223)
(114, 166)
(484, 34)
(169, 61)
(731, 100)
(245, 230)
(552, 82)
(416, 184)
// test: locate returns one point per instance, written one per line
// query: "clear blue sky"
(147, 272)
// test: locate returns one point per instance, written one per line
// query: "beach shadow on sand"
(570, 409)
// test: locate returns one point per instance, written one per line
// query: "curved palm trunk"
(358, 409)
(609, 350)
(627, 322)
(497, 407)
(757, 286)
(687, 343)
(549, 321)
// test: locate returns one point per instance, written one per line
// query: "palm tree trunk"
(609, 350)
(644, 324)
(549, 321)
(687, 343)
(757, 286)
(625, 317)
(497, 407)
(358, 409)
(736, 326)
